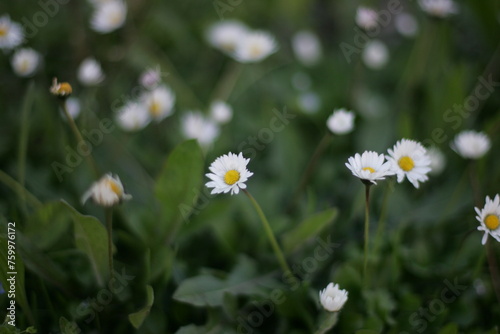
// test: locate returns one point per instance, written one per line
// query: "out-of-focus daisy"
(228, 174)
(489, 218)
(366, 18)
(369, 167)
(196, 126)
(109, 16)
(471, 144)
(438, 160)
(150, 78)
(108, 191)
(309, 102)
(341, 121)
(25, 62)
(73, 107)
(406, 24)
(255, 46)
(375, 54)
(226, 35)
(11, 33)
(90, 72)
(220, 111)
(409, 158)
(333, 298)
(159, 102)
(307, 47)
(439, 8)
(133, 117)
(61, 89)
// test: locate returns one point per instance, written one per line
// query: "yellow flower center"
(406, 163)
(3, 31)
(114, 187)
(231, 177)
(371, 170)
(154, 108)
(491, 222)
(255, 50)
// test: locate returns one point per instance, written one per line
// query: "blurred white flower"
(133, 117)
(90, 72)
(369, 167)
(375, 54)
(489, 218)
(307, 47)
(159, 102)
(406, 24)
(471, 144)
(341, 121)
(228, 174)
(438, 160)
(333, 298)
(11, 33)
(366, 18)
(438, 8)
(255, 46)
(73, 107)
(25, 62)
(109, 16)
(196, 126)
(220, 111)
(409, 158)
(226, 35)
(309, 102)
(108, 191)
(150, 78)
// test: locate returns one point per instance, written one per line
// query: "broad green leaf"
(451, 328)
(309, 228)
(328, 321)
(47, 224)
(68, 327)
(137, 318)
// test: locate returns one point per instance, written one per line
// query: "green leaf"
(137, 318)
(451, 328)
(68, 327)
(328, 321)
(309, 228)
(178, 185)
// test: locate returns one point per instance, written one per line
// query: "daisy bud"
(375, 55)
(341, 121)
(332, 298)
(62, 90)
(90, 72)
(108, 191)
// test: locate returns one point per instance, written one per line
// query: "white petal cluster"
(90, 72)
(108, 191)
(439, 8)
(108, 16)
(133, 117)
(221, 112)
(150, 78)
(25, 62)
(489, 218)
(332, 298)
(341, 121)
(196, 126)
(159, 102)
(369, 167)
(228, 174)
(375, 54)
(307, 47)
(471, 144)
(11, 33)
(366, 18)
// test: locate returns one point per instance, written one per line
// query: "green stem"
(367, 231)
(109, 225)
(383, 217)
(23, 139)
(226, 84)
(21, 191)
(269, 232)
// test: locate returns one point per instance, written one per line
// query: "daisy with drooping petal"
(438, 8)
(409, 158)
(159, 102)
(333, 298)
(229, 174)
(61, 89)
(108, 191)
(369, 167)
(471, 144)
(341, 121)
(226, 35)
(109, 16)
(220, 111)
(25, 62)
(133, 117)
(366, 18)
(307, 47)
(90, 72)
(489, 217)
(11, 33)
(255, 46)
(196, 126)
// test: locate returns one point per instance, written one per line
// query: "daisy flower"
(159, 102)
(196, 126)
(471, 144)
(61, 89)
(133, 117)
(375, 54)
(438, 8)
(109, 16)
(150, 78)
(25, 62)
(333, 298)
(229, 174)
(226, 35)
(90, 72)
(409, 158)
(341, 121)
(307, 47)
(108, 191)
(366, 18)
(489, 218)
(220, 111)
(254, 47)
(406, 24)
(11, 33)
(369, 167)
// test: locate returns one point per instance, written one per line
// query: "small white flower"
(341, 121)
(25, 62)
(307, 47)
(366, 18)
(471, 144)
(221, 112)
(369, 167)
(11, 33)
(229, 174)
(309, 102)
(406, 24)
(159, 102)
(73, 107)
(409, 158)
(333, 298)
(196, 126)
(150, 78)
(255, 46)
(438, 8)
(375, 54)
(226, 35)
(108, 191)
(133, 117)
(90, 72)
(489, 218)
(438, 160)
(109, 16)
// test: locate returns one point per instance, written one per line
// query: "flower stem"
(269, 232)
(109, 225)
(367, 231)
(226, 84)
